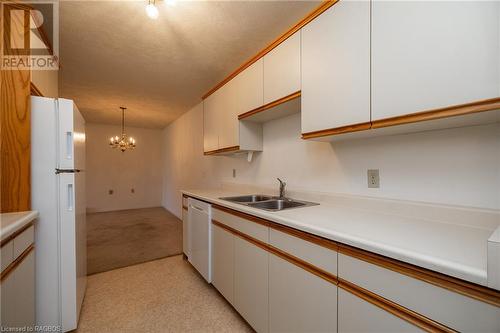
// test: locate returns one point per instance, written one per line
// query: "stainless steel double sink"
(267, 202)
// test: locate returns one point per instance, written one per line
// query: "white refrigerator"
(58, 194)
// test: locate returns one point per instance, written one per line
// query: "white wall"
(455, 166)
(110, 169)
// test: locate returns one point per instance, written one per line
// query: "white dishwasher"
(200, 237)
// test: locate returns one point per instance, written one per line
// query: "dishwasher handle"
(197, 208)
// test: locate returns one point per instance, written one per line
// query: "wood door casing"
(15, 128)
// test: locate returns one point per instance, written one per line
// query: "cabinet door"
(282, 69)
(300, 301)
(357, 315)
(223, 262)
(250, 87)
(251, 283)
(228, 117)
(433, 54)
(185, 232)
(18, 295)
(210, 118)
(336, 67)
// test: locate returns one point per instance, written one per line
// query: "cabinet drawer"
(246, 226)
(449, 308)
(300, 301)
(314, 254)
(7, 254)
(357, 315)
(23, 241)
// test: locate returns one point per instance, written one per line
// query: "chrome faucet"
(282, 188)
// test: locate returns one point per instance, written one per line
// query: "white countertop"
(456, 250)
(11, 222)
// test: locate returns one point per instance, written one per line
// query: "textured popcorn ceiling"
(112, 54)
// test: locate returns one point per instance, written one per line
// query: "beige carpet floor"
(127, 237)
(165, 295)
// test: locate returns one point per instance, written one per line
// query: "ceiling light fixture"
(171, 3)
(122, 142)
(151, 9)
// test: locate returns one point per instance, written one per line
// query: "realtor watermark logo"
(30, 35)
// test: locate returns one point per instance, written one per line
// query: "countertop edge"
(24, 219)
(457, 270)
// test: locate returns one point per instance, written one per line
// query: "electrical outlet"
(373, 178)
(234, 173)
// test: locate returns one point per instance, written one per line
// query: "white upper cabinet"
(210, 118)
(222, 128)
(336, 67)
(250, 87)
(433, 54)
(228, 122)
(282, 69)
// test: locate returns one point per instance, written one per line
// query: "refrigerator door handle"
(69, 145)
(71, 201)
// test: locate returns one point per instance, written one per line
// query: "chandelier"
(122, 142)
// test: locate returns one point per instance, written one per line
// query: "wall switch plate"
(373, 178)
(234, 173)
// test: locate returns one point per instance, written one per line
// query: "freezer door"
(73, 254)
(71, 135)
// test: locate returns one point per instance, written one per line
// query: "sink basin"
(277, 204)
(268, 203)
(248, 198)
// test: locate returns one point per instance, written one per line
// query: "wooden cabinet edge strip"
(337, 130)
(222, 150)
(399, 311)
(480, 293)
(329, 244)
(15, 234)
(308, 18)
(446, 112)
(184, 207)
(34, 90)
(9, 269)
(279, 253)
(269, 105)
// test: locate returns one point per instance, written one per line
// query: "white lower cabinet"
(18, 295)
(185, 232)
(357, 315)
(251, 289)
(223, 262)
(300, 301)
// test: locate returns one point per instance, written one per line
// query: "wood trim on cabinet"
(450, 111)
(282, 254)
(337, 130)
(269, 105)
(480, 293)
(9, 269)
(222, 150)
(15, 234)
(34, 91)
(311, 16)
(408, 315)
(326, 243)
(242, 215)
(184, 207)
